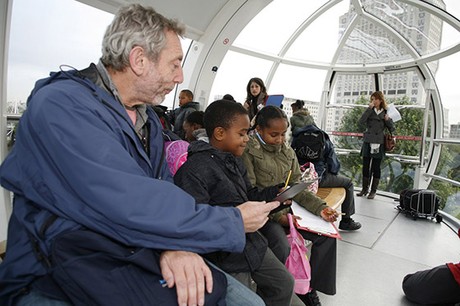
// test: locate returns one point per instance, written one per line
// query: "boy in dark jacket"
(215, 174)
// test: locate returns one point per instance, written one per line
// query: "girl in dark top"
(376, 119)
(256, 96)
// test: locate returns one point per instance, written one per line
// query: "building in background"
(455, 131)
(369, 42)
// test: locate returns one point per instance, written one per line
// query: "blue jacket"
(329, 163)
(77, 156)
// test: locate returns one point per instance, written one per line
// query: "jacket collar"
(202, 146)
(259, 144)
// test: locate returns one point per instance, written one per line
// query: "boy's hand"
(255, 214)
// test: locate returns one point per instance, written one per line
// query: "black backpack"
(309, 146)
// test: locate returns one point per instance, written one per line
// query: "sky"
(37, 47)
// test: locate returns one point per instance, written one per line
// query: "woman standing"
(256, 96)
(373, 150)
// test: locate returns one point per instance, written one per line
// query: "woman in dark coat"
(376, 119)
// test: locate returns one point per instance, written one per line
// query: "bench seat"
(334, 197)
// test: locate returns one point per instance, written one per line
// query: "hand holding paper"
(393, 113)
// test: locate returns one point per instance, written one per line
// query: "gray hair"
(135, 25)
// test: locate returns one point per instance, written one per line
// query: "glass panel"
(448, 90)
(298, 83)
(280, 17)
(234, 74)
(450, 36)
(42, 44)
(321, 30)
(449, 163)
(403, 84)
(371, 43)
(421, 29)
(398, 169)
(396, 173)
(349, 88)
(452, 6)
(77, 45)
(450, 197)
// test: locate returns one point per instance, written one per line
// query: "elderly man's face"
(165, 73)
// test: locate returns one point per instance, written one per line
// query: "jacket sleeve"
(77, 163)
(254, 193)
(332, 161)
(188, 180)
(249, 164)
(365, 116)
(389, 124)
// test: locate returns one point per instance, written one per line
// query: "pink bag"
(297, 262)
(176, 154)
(309, 173)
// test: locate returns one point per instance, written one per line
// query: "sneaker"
(311, 298)
(349, 225)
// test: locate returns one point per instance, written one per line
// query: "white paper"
(393, 113)
(311, 221)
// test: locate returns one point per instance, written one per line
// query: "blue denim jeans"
(34, 297)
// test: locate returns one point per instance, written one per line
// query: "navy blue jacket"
(77, 156)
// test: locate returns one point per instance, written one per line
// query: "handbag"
(390, 142)
(309, 174)
(297, 262)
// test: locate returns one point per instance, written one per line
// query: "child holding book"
(214, 174)
(269, 159)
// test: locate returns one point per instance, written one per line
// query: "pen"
(163, 283)
(287, 180)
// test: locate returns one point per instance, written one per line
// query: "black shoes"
(349, 224)
(311, 298)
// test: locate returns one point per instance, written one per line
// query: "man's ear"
(219, 133)
(137, 60)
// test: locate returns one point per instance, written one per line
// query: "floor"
(373, 261)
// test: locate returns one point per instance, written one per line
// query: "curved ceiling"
(197, 15)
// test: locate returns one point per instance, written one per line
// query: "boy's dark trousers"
(275, 284)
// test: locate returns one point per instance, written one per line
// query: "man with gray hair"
(96, 218)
